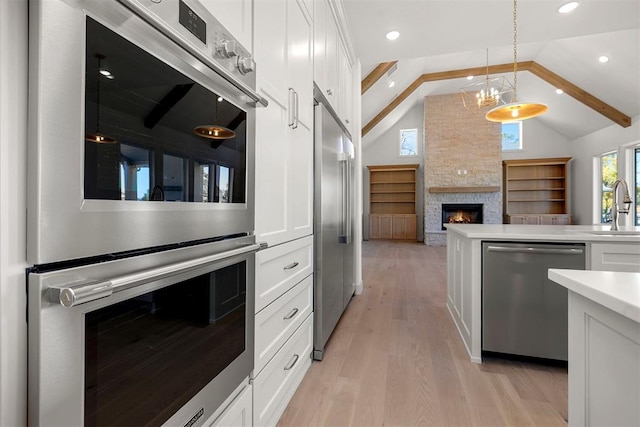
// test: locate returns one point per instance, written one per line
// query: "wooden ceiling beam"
(531, 66)
(375, 75)
(580, 95)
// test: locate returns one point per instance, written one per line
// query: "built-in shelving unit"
(392, 197)
(536, 191)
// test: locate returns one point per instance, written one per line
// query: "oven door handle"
(71, 296)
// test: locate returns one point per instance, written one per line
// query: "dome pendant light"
(97, 137)
(214, 131)
(515, 110)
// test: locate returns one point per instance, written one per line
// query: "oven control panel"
(190, 21)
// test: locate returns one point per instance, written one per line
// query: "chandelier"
(515, 110)
(487, 93)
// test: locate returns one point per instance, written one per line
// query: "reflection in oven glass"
(149, 110)
(147, 356)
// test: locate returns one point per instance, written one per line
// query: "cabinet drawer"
(275, 324)
(277, 382)
(615, 257)
(279, 268)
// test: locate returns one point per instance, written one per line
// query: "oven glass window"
(140, 120)
(147, 356)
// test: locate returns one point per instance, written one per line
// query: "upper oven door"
(126, 114)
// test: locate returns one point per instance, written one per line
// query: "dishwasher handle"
(533, 250)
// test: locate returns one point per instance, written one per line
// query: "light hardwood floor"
(396, 359)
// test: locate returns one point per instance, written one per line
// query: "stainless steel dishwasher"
(523, 312)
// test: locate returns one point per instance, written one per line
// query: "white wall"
(540, 141)
(584, 150)
(385, 150)
(13, 140)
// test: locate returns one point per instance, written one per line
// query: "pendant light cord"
(515, 51)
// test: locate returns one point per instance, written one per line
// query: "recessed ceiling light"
(391, 83)
(392, 35)
(568, 7)
(603, 59)
(559, 91)
(469, 77)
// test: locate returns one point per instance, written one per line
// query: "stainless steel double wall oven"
(141, 212)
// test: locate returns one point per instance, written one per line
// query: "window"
(608, 176)
(409, 142)
(511, 136)
(636, 196)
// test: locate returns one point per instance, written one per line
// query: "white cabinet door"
(320, 18)
(235, 15)
(331, 52)
(345, 96)
(239, 413)
(284, 130)
(272, 172)
(300, 61)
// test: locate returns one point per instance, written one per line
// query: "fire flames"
(459, 218)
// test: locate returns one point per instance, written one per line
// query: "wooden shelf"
(543, 178)
(392, 201)
(533, 188)
(492, 189)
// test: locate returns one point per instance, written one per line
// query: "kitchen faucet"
(626, 199)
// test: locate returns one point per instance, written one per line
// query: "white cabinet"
(464, 277)
(277, 382)
(283, 325)
(345, 96)
(604, 365)
(615, 257)
(276, 323)
(284, 130)
(332, 68)
(239, 413)
(280, 268)
(235, 15)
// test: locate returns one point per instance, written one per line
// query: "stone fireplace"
(463, 163)
(461, 213)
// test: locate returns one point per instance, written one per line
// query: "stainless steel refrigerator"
(333, 224)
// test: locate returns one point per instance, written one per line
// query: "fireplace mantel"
(493, 189)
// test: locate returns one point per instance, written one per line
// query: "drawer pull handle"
(291, 266)
(291, 314)
(291, 364)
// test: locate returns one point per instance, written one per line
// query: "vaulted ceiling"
(444, 35)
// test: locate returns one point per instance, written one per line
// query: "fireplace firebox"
(461, 213)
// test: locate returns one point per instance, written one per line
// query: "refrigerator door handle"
(344, 215)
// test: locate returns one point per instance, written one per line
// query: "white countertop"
(571, 233)
(616, 291)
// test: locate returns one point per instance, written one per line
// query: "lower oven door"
(158, 339)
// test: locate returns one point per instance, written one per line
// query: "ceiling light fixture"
(515, 110)
(559, 91)
(487, 93)
(469, 77)
(98, 137)
(392, 35)
(214, 131)
(604, 59)
(391, 83)
(568, 7)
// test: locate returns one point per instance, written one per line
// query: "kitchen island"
(605, 251)
(604, 346)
